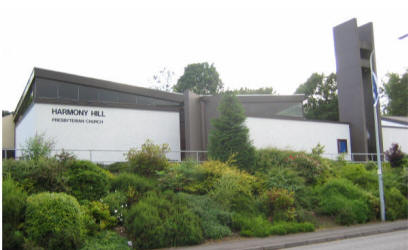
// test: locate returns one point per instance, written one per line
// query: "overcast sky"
(251, 43)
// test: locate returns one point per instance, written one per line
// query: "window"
(47, 88)
(68, 91)
(342, 146)
(87, 94)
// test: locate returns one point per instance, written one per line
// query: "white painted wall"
(298, 135)
(25, 129)
(119, 130)
(395, 135)
(393, 124)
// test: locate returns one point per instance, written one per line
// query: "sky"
(252, 44)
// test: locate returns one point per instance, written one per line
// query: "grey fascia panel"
(97, 83)
(399, 121)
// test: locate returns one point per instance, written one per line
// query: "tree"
(230, 137)
(5, 113)
(164, 80)
(247, 91)
(396, 89)
(321, 97)
(201, 78)
(37, 147)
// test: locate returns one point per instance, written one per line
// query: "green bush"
(14, 203)
(268, 158)
(258, 226)
(229, 187)
(396, 205)
(118, 167)
(280, 205)
(54, 221)
(45, 174)
(359, 175)
(283, 178)
(282, 228)
(309, 167)
(98, 216)
(161, 221)
(214, 220)
(185, 176)
(117, 203)
(251, 226)
(346, 201)
(105, 240)
(149, 159)
(396, 177)
(88, 181)
(133, 185)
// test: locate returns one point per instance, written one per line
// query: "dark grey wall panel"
(352, 44)
(192, 110)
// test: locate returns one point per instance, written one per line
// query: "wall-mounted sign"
(72, 115)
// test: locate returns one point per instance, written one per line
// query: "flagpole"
(377, 139)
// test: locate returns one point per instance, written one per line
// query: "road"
(397, 240)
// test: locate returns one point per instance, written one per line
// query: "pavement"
(301, 239)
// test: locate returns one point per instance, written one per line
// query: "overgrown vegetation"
(64, 203)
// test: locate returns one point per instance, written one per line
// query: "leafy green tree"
(247, 91)
(321, 97)
(201, 78)
(230, 137)
(37, 147)
(396, 89)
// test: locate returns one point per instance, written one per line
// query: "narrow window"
(342, 146)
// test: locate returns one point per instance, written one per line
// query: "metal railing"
(107, 156)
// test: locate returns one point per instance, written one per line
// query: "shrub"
(149, 159)
(118, 167)
(133, 185)
(98, 216)
(54, 221)
(308, 167)
(214, 220)
(37, 176)
(394, 155)
(184, 176)
(258, 226)
(14, 203)
(230, 186)
(162, 221)
(282, 228)
(280, 205)
(396, 204)
(215, 170)
(37, 147)
(348, 203)
(88, 181)
(106, 240)
(251, 226)
(268, 158)
(117, 203)
(283, 178)
(230, 136)
(359, 175)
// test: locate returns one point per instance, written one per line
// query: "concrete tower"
(353, 46)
